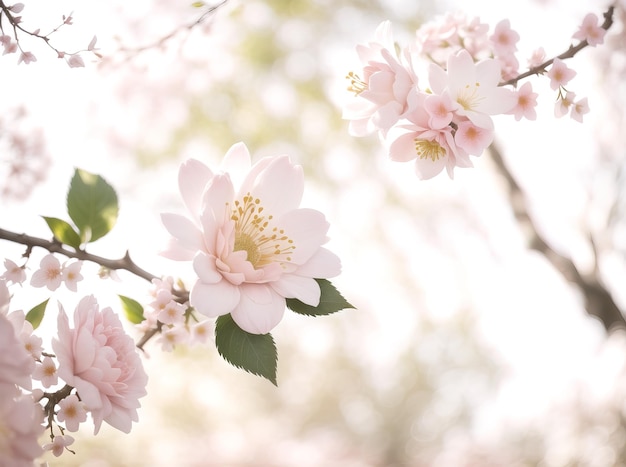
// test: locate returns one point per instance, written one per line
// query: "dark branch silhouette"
(598, 300)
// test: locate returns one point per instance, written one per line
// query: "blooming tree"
(254, 250)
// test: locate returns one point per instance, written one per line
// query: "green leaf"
(132, 309)
(35, 315)
(255, 353)
(63, 231)
(331, 301)
(92, 205)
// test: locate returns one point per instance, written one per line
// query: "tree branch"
(598, 301)
(54, 246)
(569, 53)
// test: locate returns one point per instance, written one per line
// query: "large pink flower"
(251, 244)
(99, 359)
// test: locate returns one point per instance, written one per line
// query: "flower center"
(262, 242)
(357, 85)
(469, 96)
(429, 149)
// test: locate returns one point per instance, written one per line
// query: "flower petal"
(193, 176)
(205, 267)
(259, 310)
(184, 230)
(279, 186)
(305, 289)
(236, 163)
(323, 264)
(307, 228)
(219, 192)
(214, 300)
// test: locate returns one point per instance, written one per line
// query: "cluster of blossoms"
(177, 322)
(11, 16)
(253, 249)
(470, 77)
(95, 369)
(251, 245)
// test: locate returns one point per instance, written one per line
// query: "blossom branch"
(569, 53)
(598, 300)
(125, 263)
(54, 246)
(131, 51)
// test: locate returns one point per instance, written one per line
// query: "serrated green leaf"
(92, 205)
(331, 301)
(63, 231)
(254, 353)
(132, 309)
(35, 315)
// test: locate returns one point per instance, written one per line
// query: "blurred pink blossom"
(49, 273)
(58, 444)
(590, 30)
(560, 74)
(526, 103)
(21, 424)
(71, 412)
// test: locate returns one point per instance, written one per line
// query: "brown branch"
(569, 53)
(54, 246)
(598, 300)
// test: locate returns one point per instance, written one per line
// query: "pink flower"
(382, 89)
(563, 104)
(251, 245)
(46, 372)
(100, 360)
(75, 61)
(526, 103)
(13, 273)
(590, 30)
(433, 149)
(200, 332)
(26, 57)
(72, 412)
(537, 58)
(504, 39)
(560, 74)
(472, 139)
(16, 365)
(49, 273)
(71, 274)
(59, 443)
(579, 108)
(21, 424)
(473, 86)
(170, 337)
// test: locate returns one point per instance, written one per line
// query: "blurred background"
(472, 342)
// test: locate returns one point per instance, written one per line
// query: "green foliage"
(331, 301)
(132, 309)
(63, 231)
(254, 353)
(35, 315)
(92, 205)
